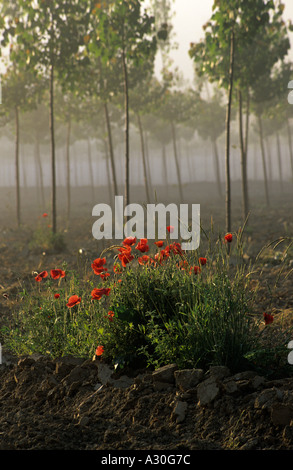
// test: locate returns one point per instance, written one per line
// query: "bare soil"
(63, 404)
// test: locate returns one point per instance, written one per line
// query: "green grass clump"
(161, 306)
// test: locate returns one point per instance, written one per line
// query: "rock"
(219, 372)
(281, 414)
(162, 386)
(230, 386)
(246, 375)
(179, 411)
(104, 373)
(207, 391)
(267, 397)
(165, 374)
(188, 378)
(257, 381)
(123, 382)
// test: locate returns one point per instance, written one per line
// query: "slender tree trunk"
(145, 176)
(177, 162)
(245, 208)
(39, 168)
(17, 173)
(247, 122)
(263, 159)
(53, 155)
(187, 153)
(22, 168)
(76, 173)
(279, 161)
(165, 168)
(108, 171)
(68, 168)
(270, 168)
(290, 145)
(255, 163)
(217, 166)
(228, 123)
(126, 110)
(91, 170)
(147, 159)
(111, 151)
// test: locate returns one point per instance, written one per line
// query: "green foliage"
(193, 320)
(260, 35)
(45, 240)
(155, 313)
(44, 324)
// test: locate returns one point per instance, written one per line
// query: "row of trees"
(91, 49)
(244, 49)
(92, 65)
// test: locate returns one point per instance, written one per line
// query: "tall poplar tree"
(236, 27)
(124, 33)
(49, 34)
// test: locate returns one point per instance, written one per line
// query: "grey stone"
(219, 372)
(188, 378)
(230, 386)
(162, 386)
(257, 381)
(207, 391)
(123, 382)
(165, 373)
(104, 373)
(267, 397)
(179, 411)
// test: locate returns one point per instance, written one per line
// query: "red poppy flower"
(170, 228)
(73, 300)
(144, 260)
(41, 276)
(163, 254)
(98, 265)
(98, 293)
(268, 318)
(57, 273)
(159, 243)
(202, 261)
(129, 241)
(125, 255)
(195, 270)
(117, 268)
(104, 276)
(56, 296)
(228, 237)
(45, 214)
(142, 245)
(99, 350)
(110, 315)
(174, 248)
(183, 265)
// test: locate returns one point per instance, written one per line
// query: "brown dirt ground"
(42, 406)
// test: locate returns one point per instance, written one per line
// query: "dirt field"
(68, 404)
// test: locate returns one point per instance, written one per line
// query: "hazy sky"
(190, 16)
